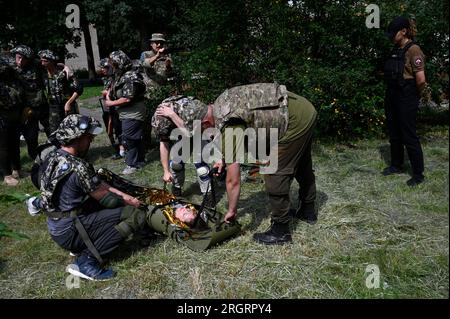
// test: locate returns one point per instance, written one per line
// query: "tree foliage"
(319, 49)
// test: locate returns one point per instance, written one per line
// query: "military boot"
(277, 234)
(307, 213)
(176, 191)
(210, 201)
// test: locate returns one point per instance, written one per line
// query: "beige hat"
(157, 37)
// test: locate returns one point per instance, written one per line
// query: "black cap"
(396, 25)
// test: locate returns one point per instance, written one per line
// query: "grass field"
(364, 219)
(91, 91)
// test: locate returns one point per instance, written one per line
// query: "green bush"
(319, 49)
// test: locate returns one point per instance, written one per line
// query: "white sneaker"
(32, 210)
(129, 170)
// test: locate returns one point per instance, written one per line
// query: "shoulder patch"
(418, 61)
(65, 167)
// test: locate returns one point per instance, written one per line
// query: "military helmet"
(47, 54)
(24, 50)
(120, 59)
(74, 126)
(104, 63)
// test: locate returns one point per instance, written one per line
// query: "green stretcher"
(208, 229)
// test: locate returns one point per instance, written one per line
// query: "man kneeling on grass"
(91, 227)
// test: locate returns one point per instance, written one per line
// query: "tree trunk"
(143, 34)
(88, 44)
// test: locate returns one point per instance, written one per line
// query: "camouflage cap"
(120, 58)
(157, 37)
(24, 50)
(74, 126)
(47, 54)
(104, 63)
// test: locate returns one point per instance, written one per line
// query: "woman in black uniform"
(405, 78)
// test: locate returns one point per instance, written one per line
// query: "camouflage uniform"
(266, 105)
(11, 98)
(157, 73)
(66, 181)
(157, 78)
(188, 109)
(129, 84)
(261, 105)
(59, 89)
(35, 108)
(108, 78)
(110, 114)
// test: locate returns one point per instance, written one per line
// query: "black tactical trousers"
(132, 131)
(44, 115)
(30, 132)
(401, 107)
(294, 161)
(102, 228)
(9, 146)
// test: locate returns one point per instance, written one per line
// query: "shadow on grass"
(321, 199)
(258, 207)
(2, 266)
(385, 154)
(194, 189)
(127, 248)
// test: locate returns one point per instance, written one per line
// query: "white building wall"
(80, 62)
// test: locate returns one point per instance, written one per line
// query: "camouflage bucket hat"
(120, 58)
(74, 126)
(157, 37)
(47, 54)
(24, 50)
(104, 63)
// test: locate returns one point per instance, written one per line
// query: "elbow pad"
(112, 200)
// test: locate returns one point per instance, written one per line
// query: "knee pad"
(177, 167)
(202, 172)
(111, 200)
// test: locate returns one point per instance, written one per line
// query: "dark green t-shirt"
(302, 116)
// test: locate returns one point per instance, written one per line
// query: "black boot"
(307, 213)
(415, 180)
(277, 234)
(146, 236)
(391, 170)
(176, 191)
(210, 201)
